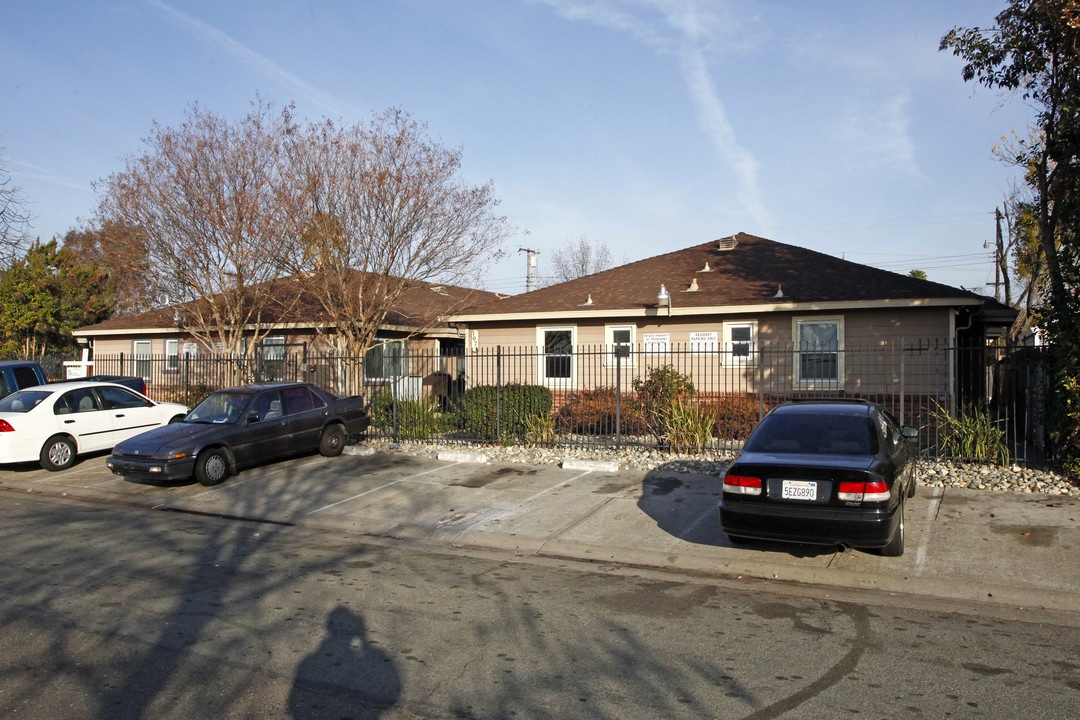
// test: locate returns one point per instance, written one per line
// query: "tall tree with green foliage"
(44, 296)
(1033, 52)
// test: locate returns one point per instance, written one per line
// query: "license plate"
(798, 490)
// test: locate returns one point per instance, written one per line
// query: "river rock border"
(933, 473)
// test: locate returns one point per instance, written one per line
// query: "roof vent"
(693, 286)
(779, 291)
(706, 268)
(587, 302)
(727, 243)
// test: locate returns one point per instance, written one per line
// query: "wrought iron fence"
(687, 397)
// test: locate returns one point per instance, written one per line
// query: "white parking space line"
(382, 487)
(518, 506)
(710, 513)
(931, 513)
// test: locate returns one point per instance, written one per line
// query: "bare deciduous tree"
(14, 218)
(205, 208)
(251, 220)
(388, 208)
(579, 258)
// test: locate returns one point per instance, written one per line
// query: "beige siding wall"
(869, 363)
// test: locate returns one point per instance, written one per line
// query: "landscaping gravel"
(933, 473)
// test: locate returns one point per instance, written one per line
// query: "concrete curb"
(591, 465)
(463, 456)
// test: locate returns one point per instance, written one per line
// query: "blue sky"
(648, 125)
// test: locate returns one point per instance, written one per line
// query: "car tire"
(895, 548)
(58, 453)
(211, 467)
(332, 442)
(911, 486)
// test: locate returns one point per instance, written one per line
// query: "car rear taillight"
(5, 426)
(875, 491)
(741, 485)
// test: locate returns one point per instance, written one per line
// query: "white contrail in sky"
(259, 63)
(690, 27)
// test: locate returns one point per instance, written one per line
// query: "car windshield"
(814, 434)
(221, 407)
(23, 401)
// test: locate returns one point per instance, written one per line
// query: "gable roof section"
(417, 305)
(755, 275)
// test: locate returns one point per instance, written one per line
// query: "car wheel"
(911, 486)
(332, 441)
(895, 548)
(211, 467)
(58, 453)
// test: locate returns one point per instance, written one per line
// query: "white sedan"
(54, 423)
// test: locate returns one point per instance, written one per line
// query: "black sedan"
(832, 472)
(239, 427)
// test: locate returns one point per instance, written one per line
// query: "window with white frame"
(141, 353)
(620, 342)
(273, 347)
(172, 355)
(384, 360)
(557, 355)
(740, 343)
(819, 356)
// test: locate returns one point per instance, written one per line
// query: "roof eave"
(663, 312)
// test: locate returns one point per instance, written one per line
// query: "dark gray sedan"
(832, 472)
(240, 427)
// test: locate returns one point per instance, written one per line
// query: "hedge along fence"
(664, 412)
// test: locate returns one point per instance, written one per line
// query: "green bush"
(540, 429)
(690, 425)
(502, 414)
(416, 419)
(657, 395)
(971, 434)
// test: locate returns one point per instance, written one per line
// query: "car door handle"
(68, 422)
(120, 415)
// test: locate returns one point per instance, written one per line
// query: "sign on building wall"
(655, 342)
(703, 341)
(191, 349)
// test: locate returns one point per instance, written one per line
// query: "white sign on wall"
(703, 341)
(655, 342)
(190, 349)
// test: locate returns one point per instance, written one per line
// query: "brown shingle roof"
(749, 274)
(417, 305)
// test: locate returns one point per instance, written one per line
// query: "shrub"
(416, 419)
(194, 395)
(737, 416)
(971, 434)
(593, 413)
(492, 413)
(540, 429)
(657, 395)
(690, 425)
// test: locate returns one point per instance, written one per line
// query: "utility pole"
(530, 267)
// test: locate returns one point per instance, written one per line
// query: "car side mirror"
(253, 417)
(911, 433)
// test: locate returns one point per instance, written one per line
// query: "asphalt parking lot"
(999, 548)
